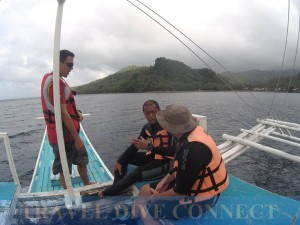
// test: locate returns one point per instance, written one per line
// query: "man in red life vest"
(71, 117)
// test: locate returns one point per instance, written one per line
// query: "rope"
(283, 58)
(219, 76)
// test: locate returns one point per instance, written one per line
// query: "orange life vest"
(213, 179)
(158, 137)
(48, 108)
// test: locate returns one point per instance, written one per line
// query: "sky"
(109, 35)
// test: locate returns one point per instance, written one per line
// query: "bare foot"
(91, 183)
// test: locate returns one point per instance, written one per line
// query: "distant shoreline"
(241, 91)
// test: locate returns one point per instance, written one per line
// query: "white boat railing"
(266, 129)
(69, 198)
(202, 120)
(11, 162)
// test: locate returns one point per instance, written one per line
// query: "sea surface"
(116, 118)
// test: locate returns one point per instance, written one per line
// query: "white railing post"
(57, 109)
(11, 160)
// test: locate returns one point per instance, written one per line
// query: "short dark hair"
(151, 102)
(64, 54)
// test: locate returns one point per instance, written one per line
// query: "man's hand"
(139, 143)
(162, 186)
(80, 116)
(118, 168)
(79, 145)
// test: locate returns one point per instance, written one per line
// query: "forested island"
(172, 75)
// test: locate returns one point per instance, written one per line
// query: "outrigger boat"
(240, 203)
(43, 180)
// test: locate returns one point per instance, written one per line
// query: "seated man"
(151, 163)
(198, 176)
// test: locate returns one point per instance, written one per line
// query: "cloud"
(107, 36)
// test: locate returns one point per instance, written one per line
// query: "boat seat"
(75, 177)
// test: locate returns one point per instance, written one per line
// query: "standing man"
(153, 163)
(71, 117)
(199, 174)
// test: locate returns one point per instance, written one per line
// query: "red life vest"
(213, 179)
(158, 137)
(48, 108)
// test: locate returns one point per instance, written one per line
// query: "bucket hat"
(176, 119)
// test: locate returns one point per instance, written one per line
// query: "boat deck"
(244, 204)
(7, 195)
(43, 178)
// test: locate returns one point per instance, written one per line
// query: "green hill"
(171, 75)
(260, 76)
(165, 75)
(266, 79)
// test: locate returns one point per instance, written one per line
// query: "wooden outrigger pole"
(69, 198)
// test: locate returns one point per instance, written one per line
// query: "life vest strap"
(51, 116)
(70, 100)
(212, 187)
(201, 181)
(212, 178)
(203, 175)
(210, 173)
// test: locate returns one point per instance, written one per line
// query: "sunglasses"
(70, 65)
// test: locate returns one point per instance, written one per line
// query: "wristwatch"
(150, 146)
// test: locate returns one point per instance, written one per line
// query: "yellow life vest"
(158, 137)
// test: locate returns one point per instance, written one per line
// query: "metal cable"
(293, 70)
(215, 60)
(218, 75)
(283, 58)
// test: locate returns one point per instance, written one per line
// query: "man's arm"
(125, 156)
(67, 121)
(131, 150)
(193, 158)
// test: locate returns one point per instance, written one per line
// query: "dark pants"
(147, 168)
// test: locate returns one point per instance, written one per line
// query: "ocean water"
(116, 118)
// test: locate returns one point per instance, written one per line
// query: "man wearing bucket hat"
(198, 175)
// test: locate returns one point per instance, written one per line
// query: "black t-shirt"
(192, 158)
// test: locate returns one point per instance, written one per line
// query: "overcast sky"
(108, 35)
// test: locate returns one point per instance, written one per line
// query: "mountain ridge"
(171, 75)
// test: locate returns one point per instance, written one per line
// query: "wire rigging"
(209, 55)
(283, 58)
(293, 70)
(219, 76)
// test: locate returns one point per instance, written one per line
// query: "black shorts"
(73, 157)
